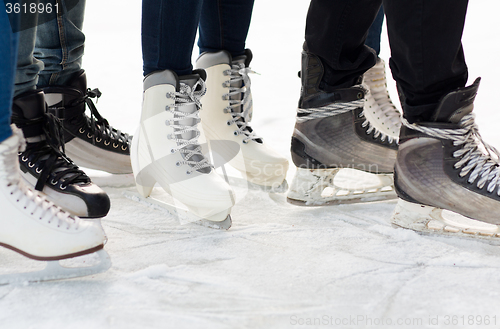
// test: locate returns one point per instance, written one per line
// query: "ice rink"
(280, 265)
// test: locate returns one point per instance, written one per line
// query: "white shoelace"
(34, 202)
(237, 73)
(477, 156)
(329, 110)
(187, 96)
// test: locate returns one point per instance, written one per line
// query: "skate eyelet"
(107, 143)
(245, 142)
(54, 182)
(62, 187)
(38, 170)
(31, 165)
(89, 136)
(229, 123)
(115, 145)
(360, 95)
(235, 133)
(188, 172)
(178, 164)
(172, 151)
(98, 140)
(124, 148)
(24, 158)
(81, 131)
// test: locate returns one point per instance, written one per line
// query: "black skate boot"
(90, 141)
(332, 133)
(44, 164)
(444, 164)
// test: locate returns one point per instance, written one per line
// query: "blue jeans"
(8, 54)
(169, 31)
(51, 53)
(373, 38)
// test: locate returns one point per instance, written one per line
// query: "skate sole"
(434, 221)
(182, 214)
(241, 182)
(55, 271)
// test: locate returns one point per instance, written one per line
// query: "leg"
(31, 225)
(423, 74)
(89, 140)
(168, 34)
(165, 148)
(373, 38)
(333, 129)
(224, 26)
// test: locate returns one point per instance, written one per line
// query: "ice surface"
(280, 265)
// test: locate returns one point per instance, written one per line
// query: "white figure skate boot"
(36, 228)
(333, 133)
(444, 171)
(227, 110)
(165, 149)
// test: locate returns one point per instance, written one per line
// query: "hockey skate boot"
(444, 171)
(45, 166)
(166, 150)
(90, 141)
(332, 133)
(380, 112)
(226, 115)
(36, 228)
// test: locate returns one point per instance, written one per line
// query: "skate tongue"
(456, 104)
(190, 80)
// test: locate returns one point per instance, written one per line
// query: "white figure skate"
(226, 115)
(37, 229)
(166, 150)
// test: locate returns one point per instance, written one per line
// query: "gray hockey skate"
(333, 133)
(444, 171)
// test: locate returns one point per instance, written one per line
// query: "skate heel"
(314, 187)
(144, 182)
(434, 220)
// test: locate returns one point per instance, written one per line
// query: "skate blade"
(320, 187)
(435, 221)
(56, 271)
(243, 183)
(184, 216)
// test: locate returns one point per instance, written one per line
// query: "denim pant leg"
(60, 44)
(8, 56)
(373, 38)
(168, 34)
(224, 25)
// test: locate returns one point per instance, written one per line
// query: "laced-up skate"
(226, 115)
(444, 169)
(334, 132)
(45, 166)
(166, 150)
(90, 141)
(36, 228)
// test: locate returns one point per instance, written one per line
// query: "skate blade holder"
(433, 220)
(178, 211)
(97, 262)
(318, 187)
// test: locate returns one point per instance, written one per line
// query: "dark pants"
(169, 30)
(427, 59)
